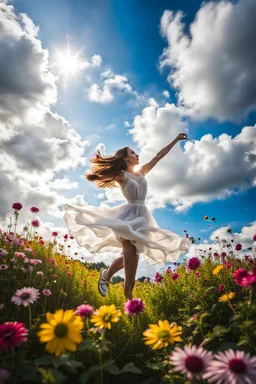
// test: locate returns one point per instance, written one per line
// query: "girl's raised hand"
(181, 136)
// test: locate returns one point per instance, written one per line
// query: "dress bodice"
(134, 187)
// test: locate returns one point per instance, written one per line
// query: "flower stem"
(30, 316)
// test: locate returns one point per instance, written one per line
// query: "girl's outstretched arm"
(147, 167)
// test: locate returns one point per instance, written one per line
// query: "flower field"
(194, 324)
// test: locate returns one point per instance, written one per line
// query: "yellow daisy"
(218, 269)
(106, 314)
(162, 334)
(62, 331)
(227, 297)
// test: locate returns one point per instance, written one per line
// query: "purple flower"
(191, 361)
(46, 292)
(194, 263)
(25, 296)
(232, 367)
(84, 310)
(4, 375)
(134, 307)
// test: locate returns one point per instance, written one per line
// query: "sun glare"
(67, 63)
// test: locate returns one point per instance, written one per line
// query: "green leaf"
(58, 376)
(130, 367)
(84, 378)
(113, 369)
(86, 345)
(219, 330)
(155, 366)
(27, 372)
(45, 360)
(108, 363)
(68, 363)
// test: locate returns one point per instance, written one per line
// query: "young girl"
(129, 226)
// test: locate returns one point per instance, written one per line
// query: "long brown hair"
(107, 168)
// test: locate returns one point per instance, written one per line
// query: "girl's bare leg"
(131, 259)
(116, 265)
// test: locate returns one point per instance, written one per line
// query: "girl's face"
(132, 157)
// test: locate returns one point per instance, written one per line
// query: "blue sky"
(126, 34)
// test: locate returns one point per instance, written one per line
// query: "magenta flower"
(239, 274)
(55, 234)
(232, 367)
(228, 265)
(249, 280)
(194, 263)
(46, 292)
(66, 236)
(35, 223)
(12, 334)
(84, 310)
(254, 238)
(221, 288)
(4, 375)
(198, 274)
(134, 307)
(238, 247)
(17, 206)
(191, 361)
(25, 296)
(34, 209)
(157, 278)
(175, 276)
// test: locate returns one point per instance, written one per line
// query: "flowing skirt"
(102, 229)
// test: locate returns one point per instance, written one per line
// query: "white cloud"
(166, 94)
(95, 62)
(213, 66)
(111, 84)
(127, 124)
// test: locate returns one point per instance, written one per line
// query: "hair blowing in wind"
(106, 168)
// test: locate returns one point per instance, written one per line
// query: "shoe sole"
(99, 286)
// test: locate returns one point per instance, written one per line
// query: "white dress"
(101, 229)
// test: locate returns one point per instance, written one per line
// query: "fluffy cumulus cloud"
(35, 142)
(201, 171)
(213, 65)
(111, 84)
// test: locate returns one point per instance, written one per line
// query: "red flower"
(35, 223)
(17, 206)
(238, 247)
(34, 209)
(55, 234)
(12, 334)
(66, 236)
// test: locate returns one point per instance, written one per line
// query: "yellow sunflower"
(61, 332)
(162, 334)
(218, 269)
(227, 297)
(106, 314)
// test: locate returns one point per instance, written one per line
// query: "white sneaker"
(103, 283)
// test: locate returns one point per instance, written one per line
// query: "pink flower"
(12, 334)
(35, 223)
(4, 375)
(175, 276)
(194, 263)
(35, 261)
(198, 274)
(25, 296)
(239, 274)
(69, 274)
(249, 280)
(157, 278)
(55, 234)
(134, 307)
(17, 206)
(232, 367)
(191, 361)
(228, 265)
(51, 260)
(3, 267)
(84, 310)
(34, 209)
(238, 247)
(20, 254)
(46, 292)
(221, 288)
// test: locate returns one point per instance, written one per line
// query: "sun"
(67, 63)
